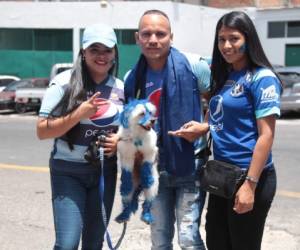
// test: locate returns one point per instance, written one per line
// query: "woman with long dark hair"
(241, 118)
(80, 105)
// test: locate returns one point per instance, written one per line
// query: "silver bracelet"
(251, 179)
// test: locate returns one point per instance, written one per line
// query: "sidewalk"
(26, 218)
(137, 236)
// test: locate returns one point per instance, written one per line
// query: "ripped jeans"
(179, 200)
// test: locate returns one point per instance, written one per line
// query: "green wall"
(292, 55)
(26, 64)
(32, 52)
(128, 56)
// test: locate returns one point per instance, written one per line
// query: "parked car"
(290, 98)
(58, 68)
(7, 96)
(29, 99)
(6, 79)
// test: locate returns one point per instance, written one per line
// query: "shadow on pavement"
(290, 115)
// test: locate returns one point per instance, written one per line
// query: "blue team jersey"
(106, 119)
(245, 97)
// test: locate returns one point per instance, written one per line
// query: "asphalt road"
(25, 211)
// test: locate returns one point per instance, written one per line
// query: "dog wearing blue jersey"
(137, 158)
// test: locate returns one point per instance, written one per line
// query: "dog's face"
(138, 114)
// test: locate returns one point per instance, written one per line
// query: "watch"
(251, 179)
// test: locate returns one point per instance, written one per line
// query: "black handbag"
(221, 178)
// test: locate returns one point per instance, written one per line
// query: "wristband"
(251, 179)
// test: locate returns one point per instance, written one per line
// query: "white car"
(58, 68)
(6, 79)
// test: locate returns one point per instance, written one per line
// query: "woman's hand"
(110, 144)
(244, 198)
(191, 130)
(89, 107)
(58, 126)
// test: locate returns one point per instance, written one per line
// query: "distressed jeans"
(181, 202)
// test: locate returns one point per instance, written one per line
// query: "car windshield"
(17, 84)
(5, 82)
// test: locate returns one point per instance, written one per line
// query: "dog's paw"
(134, 205)
(122, 217)
(147, 218)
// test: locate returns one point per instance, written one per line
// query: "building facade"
(279, 31)
(35, 35)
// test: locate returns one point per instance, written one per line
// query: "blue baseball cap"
(99, 33)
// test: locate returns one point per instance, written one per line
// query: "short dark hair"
(220, 68)
(155, 12)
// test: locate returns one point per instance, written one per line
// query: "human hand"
(191, 131)
(110, 144)
(89, 107)
(244, 198)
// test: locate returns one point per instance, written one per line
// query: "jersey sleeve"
(51, 98)
(202, 71)
(265, 90)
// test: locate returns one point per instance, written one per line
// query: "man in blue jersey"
(173, 82)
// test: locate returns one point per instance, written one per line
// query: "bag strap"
(209, 141)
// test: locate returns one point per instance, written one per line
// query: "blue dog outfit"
(135, 179)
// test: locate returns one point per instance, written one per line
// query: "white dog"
(137, 138)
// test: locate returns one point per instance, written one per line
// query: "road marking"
(289, 194)
(294, 122)
(25, 168)
(284, 193)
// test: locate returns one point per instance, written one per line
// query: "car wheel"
(20, 108)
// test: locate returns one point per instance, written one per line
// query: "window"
(126, 36)
(293, 29)
(60, 40)
(36, 39)
(16, 39)
(276, 29)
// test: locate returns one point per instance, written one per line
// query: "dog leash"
(104, 216)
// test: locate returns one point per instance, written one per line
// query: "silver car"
(290, 99)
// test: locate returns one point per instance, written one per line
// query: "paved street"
(25, 203)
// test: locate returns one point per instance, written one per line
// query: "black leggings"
(227, 230)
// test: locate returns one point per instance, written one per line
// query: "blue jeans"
(180, 201)
(77, 210)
